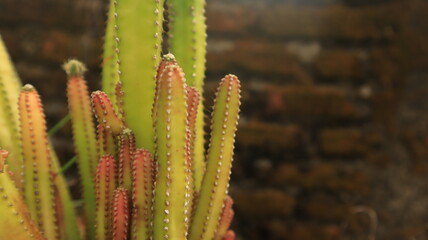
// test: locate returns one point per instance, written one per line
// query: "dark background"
(333, 134)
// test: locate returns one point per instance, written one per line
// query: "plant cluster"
(144, 170)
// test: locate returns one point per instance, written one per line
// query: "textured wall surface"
(333, 134)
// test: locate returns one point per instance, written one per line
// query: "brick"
(330, 176)
(310, 231)
(338, 64)
(315, 103)
(326, 208)
(230, 18)
(254, 55)
(58, 13)
(263, 203)
(332, 22)
(269, 136)
(342, 142)
(53, 46)
(286, 174)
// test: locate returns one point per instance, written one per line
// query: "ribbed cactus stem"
(187, 40)
(226, 218)
(105, 141)
(139, 23)
(173, 188)
(198, 167)
(9, 92)
(105, 113)
(15, 219)
(120, 214)
(126, 154)
(83, 136)
(142, 194)
(105, 184)
(110, 71)
(38, 174)
(219, 160)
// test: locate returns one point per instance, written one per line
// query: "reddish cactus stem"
(230, 235)
(105, 141)
(105, 183)
(226, 218)
(142, 194)
(3, 156)
(120, 214)
(193, 98)
(126, 153)
(105, 113)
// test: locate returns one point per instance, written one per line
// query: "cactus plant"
(143, 170)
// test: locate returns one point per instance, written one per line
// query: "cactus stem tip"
(74, 67)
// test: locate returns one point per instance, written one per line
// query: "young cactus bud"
(83, 136)
(173, 188)
(38, 174)
(225, 218)
(126, 153)
(198, 167)
(142, 194)
(105, 184)
(220, 154)
(105, 113)
(15, 219)
(105, 141)
(120, 214)
(167, 60)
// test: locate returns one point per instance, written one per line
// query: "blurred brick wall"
(334, 121)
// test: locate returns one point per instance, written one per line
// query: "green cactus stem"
(15, 221)
(198, 167)
(38, 174)
(120, 214)
(105, 184)
(9, 92)
(220, 154)
(83, 136)
(225, 219)
(187, 40)
(142, 194)
(105, 113)
(110, 67)
(138, 64)
(173, 188)
(126, 153)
